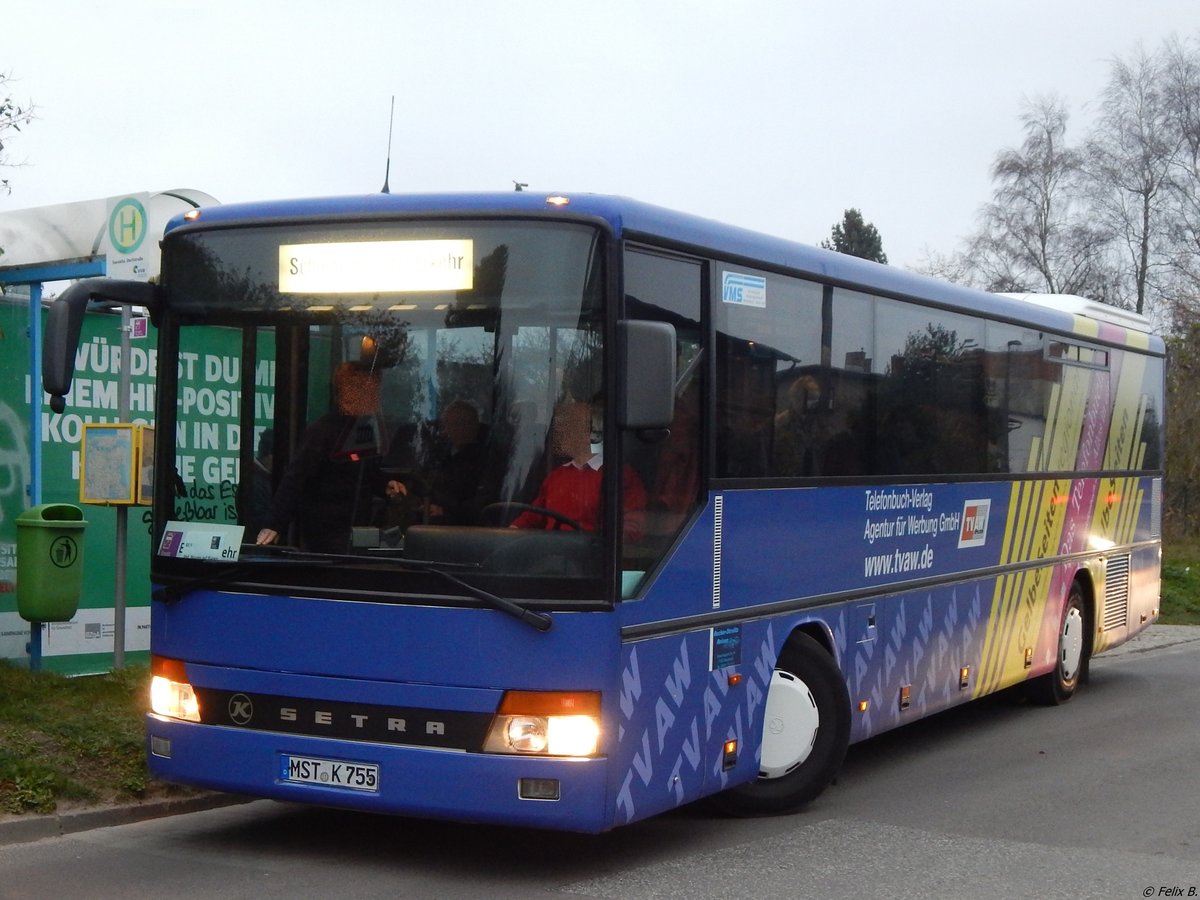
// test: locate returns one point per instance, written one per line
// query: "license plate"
(329, 772)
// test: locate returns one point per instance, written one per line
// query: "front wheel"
(1058, 686)
(806, 729)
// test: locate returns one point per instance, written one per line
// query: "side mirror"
(64, 322)
(647, 361)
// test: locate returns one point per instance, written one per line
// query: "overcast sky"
(772, 115)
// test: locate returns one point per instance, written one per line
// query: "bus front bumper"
(554, 793)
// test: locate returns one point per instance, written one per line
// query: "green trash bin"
(49, 562)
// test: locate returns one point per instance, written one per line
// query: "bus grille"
(1116, 592)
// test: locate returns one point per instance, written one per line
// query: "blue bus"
(563, 511)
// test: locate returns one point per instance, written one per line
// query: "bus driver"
(573, 488)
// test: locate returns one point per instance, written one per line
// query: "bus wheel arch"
(806, 730)
(1086, 578)
(1075, 633)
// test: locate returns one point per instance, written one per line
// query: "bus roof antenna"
(387, 170)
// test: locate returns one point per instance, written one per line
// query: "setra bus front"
(364, 595)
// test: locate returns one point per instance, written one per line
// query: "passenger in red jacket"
(573, 489)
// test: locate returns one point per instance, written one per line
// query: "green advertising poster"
(209, 382)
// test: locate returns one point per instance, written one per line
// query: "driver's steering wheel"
(513, 506)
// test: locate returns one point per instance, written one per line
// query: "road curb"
(1156, 637)
(23, 829)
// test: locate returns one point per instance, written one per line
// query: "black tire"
(806, 729)
(1058, 686)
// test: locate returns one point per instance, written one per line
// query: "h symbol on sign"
(128, 225)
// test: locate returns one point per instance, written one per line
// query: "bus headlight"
(547, 723)
(170, 693)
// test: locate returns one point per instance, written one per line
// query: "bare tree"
(956, 267)
(1130, 157)
(1181, 75)
(1117, 219)
(1182, 513)
(1037, 233)
(13, 115)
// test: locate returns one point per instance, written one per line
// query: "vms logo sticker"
(974, 523)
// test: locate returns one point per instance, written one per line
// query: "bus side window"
(677, 475)
(849, 322)
(668, 289)
(931, 415)
(769, 352)
(799, 425)
(745, 409)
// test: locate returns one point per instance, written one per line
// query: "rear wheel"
(806, 728)
(1058, 686)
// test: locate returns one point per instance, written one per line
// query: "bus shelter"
(40, 248)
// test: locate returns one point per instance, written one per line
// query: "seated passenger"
(677, 477)
(573, 488)
(454, 482)
(334, 478)
(797, 438)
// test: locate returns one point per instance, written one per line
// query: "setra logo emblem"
(974, 523)
(241, 709)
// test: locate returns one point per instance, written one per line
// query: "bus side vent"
(1156, 507)
(1116, 593)
(718, 516)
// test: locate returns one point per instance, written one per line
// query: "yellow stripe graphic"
(1038, 511)
(1087, 327)
(1033, 530)
(1111, 519)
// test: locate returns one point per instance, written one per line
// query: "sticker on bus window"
(974, 523)
(726, 649)
(744, 290)
(185, 540)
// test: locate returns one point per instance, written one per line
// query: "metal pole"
(35, 439)
(123, 389)
(35, 393)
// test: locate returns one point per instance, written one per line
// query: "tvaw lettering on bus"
(716, 697)
(678, 679)
(898, 562)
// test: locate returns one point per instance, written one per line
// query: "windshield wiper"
(174, 592)
(170, 593)
(540, 621)
(221, 573)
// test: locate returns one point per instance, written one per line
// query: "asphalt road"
(1099, 798)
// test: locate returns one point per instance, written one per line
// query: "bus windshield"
(362, 397)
